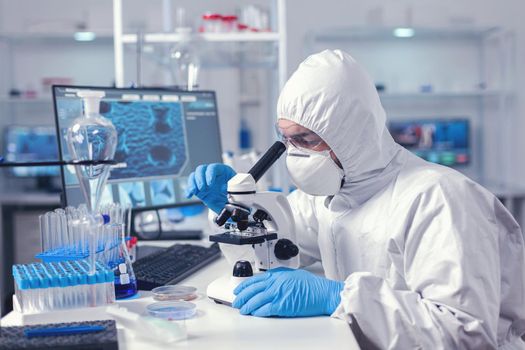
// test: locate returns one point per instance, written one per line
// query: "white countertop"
(221, 327)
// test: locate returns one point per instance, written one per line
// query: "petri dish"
(165, 293)
(172, 310)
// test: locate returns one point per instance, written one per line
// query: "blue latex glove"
(209, 183)
(288, 293)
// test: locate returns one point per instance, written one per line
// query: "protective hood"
(333, 96)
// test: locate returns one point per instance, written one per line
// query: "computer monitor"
(31, 144)
(163, 135)
(442, 141)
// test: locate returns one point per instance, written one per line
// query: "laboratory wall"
(453, 65)
(309, 16)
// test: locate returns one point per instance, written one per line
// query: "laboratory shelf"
(26, 100)
(247, 100)
(444, 94)
(158, 38)
(51, 37)
(407, 60)
(387, 33)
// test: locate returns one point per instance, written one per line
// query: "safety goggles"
(307, 140)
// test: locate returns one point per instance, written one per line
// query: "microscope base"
(221, 290)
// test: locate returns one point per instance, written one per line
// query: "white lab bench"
(222, 327)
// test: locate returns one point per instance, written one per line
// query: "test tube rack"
(41, 287)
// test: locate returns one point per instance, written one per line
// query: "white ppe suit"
(430, 259)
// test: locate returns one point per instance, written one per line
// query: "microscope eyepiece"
(267, 160)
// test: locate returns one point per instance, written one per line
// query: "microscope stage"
(238, 238)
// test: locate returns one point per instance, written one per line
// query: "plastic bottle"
(245, 137)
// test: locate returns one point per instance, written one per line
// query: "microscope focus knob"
(260, 215)
(242, 268)
(285, 249)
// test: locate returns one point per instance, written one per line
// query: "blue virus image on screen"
(162, 192)
(132, 193)
(165, 154)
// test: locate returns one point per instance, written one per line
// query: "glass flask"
(185, 61)
(92, 137)
(120, 262)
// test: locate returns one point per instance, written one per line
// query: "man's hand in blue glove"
(288, 293)
(209, 183)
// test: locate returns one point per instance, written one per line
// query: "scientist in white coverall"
(415, 255)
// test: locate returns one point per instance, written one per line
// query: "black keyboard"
(173, 264)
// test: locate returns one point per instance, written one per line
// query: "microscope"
(263, 220)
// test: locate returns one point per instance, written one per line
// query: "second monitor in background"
(163, 135)
(442, 141)
(28, 144)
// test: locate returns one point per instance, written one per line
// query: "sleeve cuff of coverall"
(349, 293)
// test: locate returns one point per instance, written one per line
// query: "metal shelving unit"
(23, 100)
(278, 36)
(236, 42)
(52, 38)
(38, 109)
(157, 38)
(386, 33)
(444, 94)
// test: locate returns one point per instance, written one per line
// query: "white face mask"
(313, 172)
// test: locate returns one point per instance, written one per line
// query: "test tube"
(73, 225)
(62, 228)
(51, 221)
(94, 227)
(71, 234)
(92, 233)
(112, 214)
(121, 219)
(120, 214)
(63, 218)
(111, 238)
(116, 232)
(104, 210)
(43, 232)
(127, 216)
(58, 229)
(84, 234)
(104, 244)
(82, 208)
